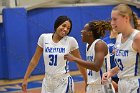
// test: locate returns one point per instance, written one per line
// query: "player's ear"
(89, 33)
(127, 18)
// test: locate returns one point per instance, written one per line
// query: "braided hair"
(98, 28)
(135, 20)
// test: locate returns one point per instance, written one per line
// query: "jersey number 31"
(53, 60)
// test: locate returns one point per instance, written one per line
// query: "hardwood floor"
(79, 86)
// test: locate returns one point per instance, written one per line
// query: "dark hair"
(98, 28)
(60, 20)
(125, 10)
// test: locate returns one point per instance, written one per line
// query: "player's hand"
(24, 86)
(69, 57)
(105, 77)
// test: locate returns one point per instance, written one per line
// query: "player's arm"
(76, 53)
(109, 74)
(33, 63)
(115, 85)
(114, 71)
(136, 43)
(101, 51)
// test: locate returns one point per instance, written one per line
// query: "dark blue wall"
(20, 31)
(15, 44)
(1, 40)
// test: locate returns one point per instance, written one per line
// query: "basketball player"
(127, 50)
(54, 46)
(96, 51)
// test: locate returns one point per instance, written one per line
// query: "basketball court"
(35, 82)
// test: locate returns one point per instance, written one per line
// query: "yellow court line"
(32, 78)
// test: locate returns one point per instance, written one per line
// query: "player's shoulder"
(137, 32)
(46, 34)
(137, 36)
(69, 38)
(101, 43)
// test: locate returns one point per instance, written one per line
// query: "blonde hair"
(125, 10)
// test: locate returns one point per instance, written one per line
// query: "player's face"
(85, 33)
(118, 22)
(63, 29)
